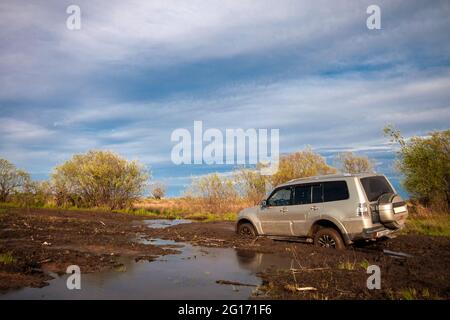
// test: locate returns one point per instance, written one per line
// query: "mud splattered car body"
(332, 210)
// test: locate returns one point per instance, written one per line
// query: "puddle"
(192, 274)
(164, 223)
(161, 242)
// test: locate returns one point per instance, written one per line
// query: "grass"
(193, 208)
(231, 216)
(166, 213)
(423, 222)
(173, 213)
(5, 205)
(7, 258)
(409, 294)
(416, 294)
(435, 225)
(347, 265)
(364, 264)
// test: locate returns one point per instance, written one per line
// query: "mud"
(44, 242)
(412, 266)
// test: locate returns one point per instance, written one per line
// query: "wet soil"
(46, 241)
(320, 273)
(42, 242)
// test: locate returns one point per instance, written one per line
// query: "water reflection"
(164, 223)
(191, 274)
(257, 261)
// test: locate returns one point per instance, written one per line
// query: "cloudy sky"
(137, 70)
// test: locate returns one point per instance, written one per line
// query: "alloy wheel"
(327, 241)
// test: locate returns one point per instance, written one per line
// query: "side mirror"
(263, 204)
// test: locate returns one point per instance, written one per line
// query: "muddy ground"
(44, 241)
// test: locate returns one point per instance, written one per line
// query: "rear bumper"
(374, 233)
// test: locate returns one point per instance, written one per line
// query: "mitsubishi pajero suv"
(332, 210)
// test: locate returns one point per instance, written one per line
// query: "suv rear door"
(307, 201)
(375, 187)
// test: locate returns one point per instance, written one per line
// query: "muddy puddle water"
(192, 274)
(164, 223)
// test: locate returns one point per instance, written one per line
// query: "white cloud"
(41, 59)
(22, 131)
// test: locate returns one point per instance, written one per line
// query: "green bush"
(99, 179)
(12, 180)
(158, 190)
(425, 164)
(300, 164)
(250, 184)
(34, 194)
(215, 194)
(351, 163)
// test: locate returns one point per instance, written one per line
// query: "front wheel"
(329, 238)
(246, 230)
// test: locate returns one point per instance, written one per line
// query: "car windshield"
(375, 187)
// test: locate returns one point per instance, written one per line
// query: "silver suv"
(332, 210)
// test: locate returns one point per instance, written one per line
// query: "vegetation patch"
(7, 258)
(364, 264)
(436, 225)
(346, 265)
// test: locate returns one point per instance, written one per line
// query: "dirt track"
(338, 274)
(49, 240)
(45, 241)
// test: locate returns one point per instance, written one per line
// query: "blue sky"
(137, 70)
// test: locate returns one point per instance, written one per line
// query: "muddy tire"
(246, 230)
(329, 238)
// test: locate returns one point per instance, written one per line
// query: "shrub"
(425, 165)
(351, 163)
(158, 190)
(34, 194)
(300, 164)
(11, 179)
(216, 194)
(251, 185)
(99, 179)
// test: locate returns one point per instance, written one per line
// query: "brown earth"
(337, 274)
(95, 240)
(45, 241)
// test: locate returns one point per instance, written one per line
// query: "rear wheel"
(246, 230)
(329, 238)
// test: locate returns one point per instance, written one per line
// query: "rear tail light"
(363, 210)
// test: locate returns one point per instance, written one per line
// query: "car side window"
(307, 194)
(281, 197)
(335, 191)
(302, 194)
(317, 193)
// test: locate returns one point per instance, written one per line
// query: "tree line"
(104, 179)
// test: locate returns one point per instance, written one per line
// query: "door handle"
(314, 208)
(283, 210)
